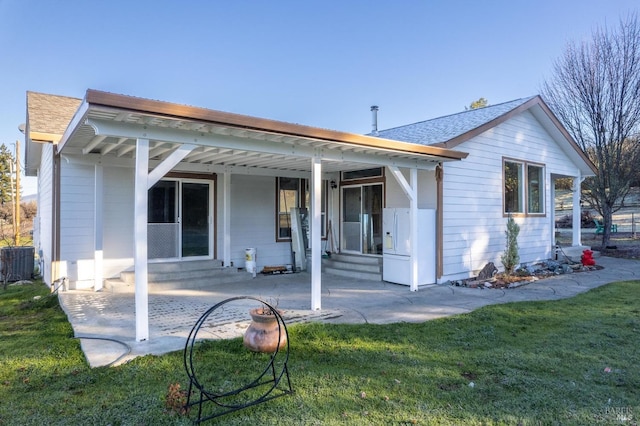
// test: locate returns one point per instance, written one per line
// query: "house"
(516, 151)
(125, 183)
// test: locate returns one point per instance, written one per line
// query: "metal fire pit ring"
(268, 380)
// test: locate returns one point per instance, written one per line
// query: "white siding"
(118, 220)
(76, 224)
(474, 224)
(427, 190)
(253, 222)
(43, 223)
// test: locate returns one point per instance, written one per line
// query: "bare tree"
(595, 92)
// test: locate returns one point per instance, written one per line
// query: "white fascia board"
(77, 119)
(33, 157)
(165, 134)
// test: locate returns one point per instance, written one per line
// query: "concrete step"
(185, 265)
(171, 271)
(352, 258)
(341, 264)
(179, 275)
(115, 285)
(354, 274)
(353, 266)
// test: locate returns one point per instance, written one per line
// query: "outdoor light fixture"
(333, 184)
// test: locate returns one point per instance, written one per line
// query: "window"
(513, 187)
(523, 187)
(288, 197)
(535, 190)
(294, 192)
(323, 204)
(363, 174)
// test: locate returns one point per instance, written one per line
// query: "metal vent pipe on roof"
(374, 120)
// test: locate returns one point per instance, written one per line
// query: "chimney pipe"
(374, 119)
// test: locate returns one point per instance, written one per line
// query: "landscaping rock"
(566, 269)
(525, 274)
(534, 269)
(521, 283)
(552, 264)
(487, 272)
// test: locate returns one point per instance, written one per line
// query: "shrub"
(510, 258)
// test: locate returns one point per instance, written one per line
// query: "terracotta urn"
(262, 334)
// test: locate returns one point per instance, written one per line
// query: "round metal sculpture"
(250, 382)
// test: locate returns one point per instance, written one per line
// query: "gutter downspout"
(439, 221)
(55, 219)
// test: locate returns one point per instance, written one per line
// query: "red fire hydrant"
(587, 258)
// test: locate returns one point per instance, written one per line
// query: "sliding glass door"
(195, 219)
(180, 221)
(362, 219)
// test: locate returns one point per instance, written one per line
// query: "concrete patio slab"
(105, 322)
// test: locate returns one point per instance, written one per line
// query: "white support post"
(226, 227)
(552, 214)
(415, 256)
(552, 208)
(577, 213)
(316, 234)
(98, 206)
(141, 195)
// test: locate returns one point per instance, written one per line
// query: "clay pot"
(262, 334)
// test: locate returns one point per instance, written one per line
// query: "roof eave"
(141, 105)
(78, 119)
(452, 143)
(592, 167)
(536, 100)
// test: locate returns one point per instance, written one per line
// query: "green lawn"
(573, 361)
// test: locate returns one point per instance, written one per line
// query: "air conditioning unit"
(16, 263)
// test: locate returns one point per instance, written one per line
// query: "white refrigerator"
(396, 252)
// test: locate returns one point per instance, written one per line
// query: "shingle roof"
(442, 129)
(50, 114)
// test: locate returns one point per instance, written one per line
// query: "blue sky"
(320, 63)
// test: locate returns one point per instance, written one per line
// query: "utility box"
(17, 263)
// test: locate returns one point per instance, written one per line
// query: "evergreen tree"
(510, 257)
(6, 161)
